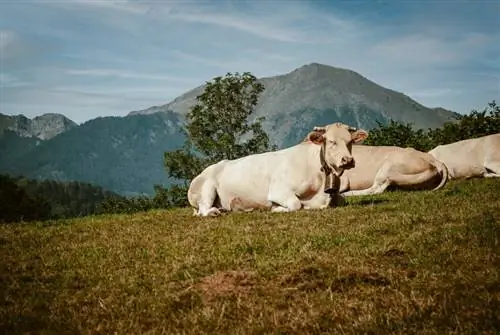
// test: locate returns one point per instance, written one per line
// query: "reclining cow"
(286, 180)
(475, 157)
(378, 167)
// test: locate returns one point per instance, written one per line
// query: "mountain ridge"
(43, 127)
(333, 91)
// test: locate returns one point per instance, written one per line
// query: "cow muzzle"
(347, 162)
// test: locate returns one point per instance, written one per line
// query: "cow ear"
(316, 137)
(359, 135)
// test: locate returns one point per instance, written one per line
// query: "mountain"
(13, 147)
(43, 127)
(122, 154)
(316, 94)
(125, 154)
(19, 134)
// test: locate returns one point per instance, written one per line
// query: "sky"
(90, 58)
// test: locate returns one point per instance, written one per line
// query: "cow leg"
(492, 170)
(286, 201)
(395, 175)
(376, 188)
(380, 183)
(207, 198)
(322, 201)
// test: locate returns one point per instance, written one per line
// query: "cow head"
(337, 140)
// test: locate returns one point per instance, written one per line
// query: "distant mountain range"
(125, 154)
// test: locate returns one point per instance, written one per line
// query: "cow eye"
(333, 142)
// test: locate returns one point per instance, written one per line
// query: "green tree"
(399, 134)
(218, 128)
(16, 205)
(472, 125)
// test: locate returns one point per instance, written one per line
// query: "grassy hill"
(420, 262)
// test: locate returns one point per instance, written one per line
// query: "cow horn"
(320, 129)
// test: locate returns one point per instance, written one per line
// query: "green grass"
(398, 263)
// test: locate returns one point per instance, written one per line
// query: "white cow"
(378, 167)
(286, 180)
(475, 157)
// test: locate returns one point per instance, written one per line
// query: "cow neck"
(329, 178)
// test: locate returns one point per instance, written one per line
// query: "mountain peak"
(44, 126)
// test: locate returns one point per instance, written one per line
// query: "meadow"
(397, 263)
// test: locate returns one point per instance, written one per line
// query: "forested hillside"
(27, 199)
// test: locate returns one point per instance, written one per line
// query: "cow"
(475, 157)
(378, 167)
(301, 176)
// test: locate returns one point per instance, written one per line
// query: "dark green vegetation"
(125, 155)
(397, 263)
(120, 154)
(23, 199)
(13, 148)
(476, 124)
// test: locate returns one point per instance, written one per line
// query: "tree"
(399, 134)
(16, 205)
(218, 127)
(476, 124)
(472, 125)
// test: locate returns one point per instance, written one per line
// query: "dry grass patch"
(398, 263)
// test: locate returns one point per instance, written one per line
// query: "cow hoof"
(280, 209)
(213, 212)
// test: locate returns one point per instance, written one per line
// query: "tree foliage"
(398, 134)
(473, 125)
(24, 199)
(174, 196)
(218, 127)
(16, 205)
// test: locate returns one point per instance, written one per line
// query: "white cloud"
(295, 23)
(116, 5)
(242, 24)
(125, 74)
(7, 37)
(419, 50)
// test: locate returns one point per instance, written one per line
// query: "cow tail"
(441, 167)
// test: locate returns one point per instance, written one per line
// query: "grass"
(397, 263)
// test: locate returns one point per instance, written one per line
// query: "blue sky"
(88, 58)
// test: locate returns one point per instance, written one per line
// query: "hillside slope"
(124, 155)
(397, 263)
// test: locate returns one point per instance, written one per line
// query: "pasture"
(397, 263)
